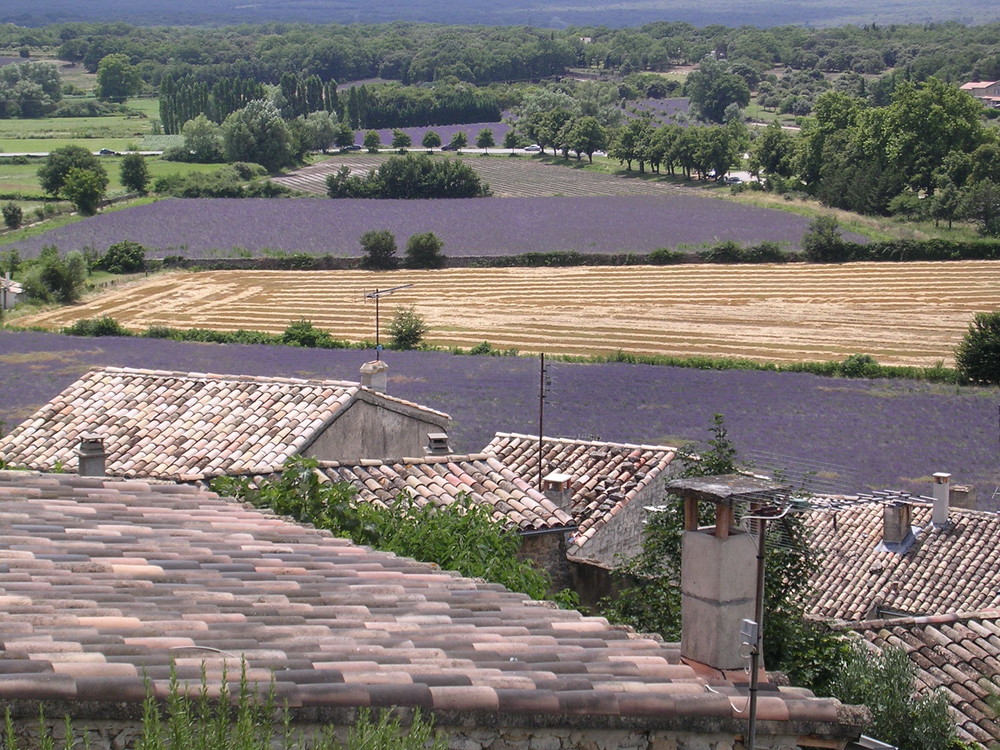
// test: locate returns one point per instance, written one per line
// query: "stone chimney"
(896, 523)
(718, 568)
(375, 375)
(556, 488)
(942, 499)
(963, 496)
(437, 444)
(91, 456)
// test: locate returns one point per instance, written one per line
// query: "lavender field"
(447, 132)
(206, 228)
(870, 434)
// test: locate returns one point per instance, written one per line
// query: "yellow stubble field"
(908, 314)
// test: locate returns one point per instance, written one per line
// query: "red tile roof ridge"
(949, 617)
(180, 375)
(579, 441)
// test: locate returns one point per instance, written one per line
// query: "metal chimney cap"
(941, 477)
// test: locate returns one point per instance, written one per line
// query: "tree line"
(414, 53)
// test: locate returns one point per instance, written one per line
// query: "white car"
(533, 147)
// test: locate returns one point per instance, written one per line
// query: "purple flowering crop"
(206, 228)
(446, 132)
(888, 434)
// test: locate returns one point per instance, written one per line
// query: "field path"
(912, 313)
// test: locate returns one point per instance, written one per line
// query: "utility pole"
(377, 295)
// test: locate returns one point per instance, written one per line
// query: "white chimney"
(942, 490)
(91, 456)
(375, 375)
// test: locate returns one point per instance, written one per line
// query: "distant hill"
(505, 12)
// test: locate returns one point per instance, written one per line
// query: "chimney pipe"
(437, 444)
(374, 375)
(942, 490)
(91, 456)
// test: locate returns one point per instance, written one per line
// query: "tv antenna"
(377, 295)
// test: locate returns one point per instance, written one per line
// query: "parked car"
(733, 179)
(352, 147)
(449, 147)
(107, 152)
(534, 147)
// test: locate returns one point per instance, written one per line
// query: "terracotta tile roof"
(604, 477)
(951, 569)
(186, 425)
(441, 479)
(958, 653)
(103, 583)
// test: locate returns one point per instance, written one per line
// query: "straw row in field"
(901, 314)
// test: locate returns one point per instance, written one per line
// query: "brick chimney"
(91, 456)
(375, 375)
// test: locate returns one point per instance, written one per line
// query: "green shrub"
(462, 536)
(303, 333)
(103, 326)
(124, 257)
(860, 366)
(54, 278)
(665, 257)
(378, 249)
(13, 216)
(407, 329)
(424, 251)
(724, 252)
(484, 348)
(765, 252)
(822, 242)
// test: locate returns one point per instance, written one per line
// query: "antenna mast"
(541, 415)
(377, 295)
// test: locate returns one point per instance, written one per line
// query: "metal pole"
(378, 346)
(759, 618)
(541, 415)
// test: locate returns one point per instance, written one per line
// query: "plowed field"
(911, 313)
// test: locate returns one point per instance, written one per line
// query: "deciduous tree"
(257, 134)
(134, 172)
(52, 174)
(117, 78)
(378, 249)
(978, 354)
(424, 251)
(84, 188)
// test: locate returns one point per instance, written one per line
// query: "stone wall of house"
(548, 551)
(111, 734)
(368, 431)
(621, 536)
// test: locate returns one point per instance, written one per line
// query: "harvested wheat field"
(908, 314)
